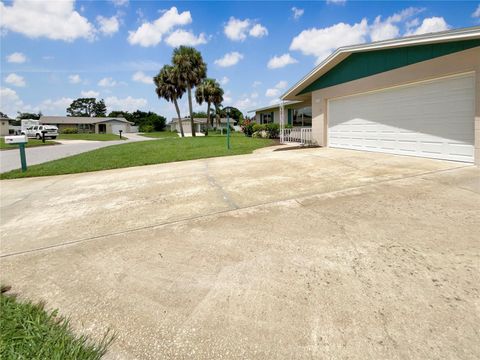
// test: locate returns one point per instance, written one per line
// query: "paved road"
(302, 254)
(10, 160)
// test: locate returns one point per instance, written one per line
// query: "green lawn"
(144, 153)
(161, 134)
(31, 143)
(27, 331)
(92, 137)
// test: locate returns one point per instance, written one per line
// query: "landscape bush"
(258, 127)
(247, 127)
(70, 131)
(273, 130)
(146, 128)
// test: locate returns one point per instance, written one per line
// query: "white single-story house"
(297, 113)
(200, 124)
(97, 125)
(5, 126)
(417, 95)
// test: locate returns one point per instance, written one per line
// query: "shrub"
(146, 128)
(273, 130)
(258, 127)
(260, 134)
(70, 131)
(247, 127)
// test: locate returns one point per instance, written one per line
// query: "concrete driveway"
(302, 254)
(10, 159)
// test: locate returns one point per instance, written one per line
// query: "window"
(302, 117)
(266, 118)
(35, 128)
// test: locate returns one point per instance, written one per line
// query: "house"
(297, 113)
(5, 126)
(417, 95)
(97, 125)
(200, 124)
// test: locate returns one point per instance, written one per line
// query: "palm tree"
(205, 93)
(170, 87)
(192, 70)
(217, 99)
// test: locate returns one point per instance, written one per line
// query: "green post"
(23, 158)
(228, 129)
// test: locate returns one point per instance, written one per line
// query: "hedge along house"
(416, 95)
(200, 124)
(97, 125)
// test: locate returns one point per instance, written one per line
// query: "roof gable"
(363, 64)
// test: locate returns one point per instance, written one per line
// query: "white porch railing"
(297, 135)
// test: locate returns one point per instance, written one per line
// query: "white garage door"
(117, 127)
(432, 119)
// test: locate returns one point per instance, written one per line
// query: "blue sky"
(55, 51)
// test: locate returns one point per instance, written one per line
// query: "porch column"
(282, 121)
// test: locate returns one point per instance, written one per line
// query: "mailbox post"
(120, 133)
(43, 135)
(21, 140)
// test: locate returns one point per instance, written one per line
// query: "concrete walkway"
(302, 254)
(10, 159)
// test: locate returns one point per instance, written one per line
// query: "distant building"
(4, 126)
(200, 124)
(97, 125)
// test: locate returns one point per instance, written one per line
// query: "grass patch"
(91, 137)
(161, 134)
(144, 153)
(31, 143)
(28, 331)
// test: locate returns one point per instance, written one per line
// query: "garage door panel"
(430, 119)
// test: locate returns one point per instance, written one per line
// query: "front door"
(102, 128)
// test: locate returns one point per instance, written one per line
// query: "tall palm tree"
(192, 70)
(217, 99)
(205, 93)
(170, 87)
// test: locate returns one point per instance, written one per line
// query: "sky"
(53, 52)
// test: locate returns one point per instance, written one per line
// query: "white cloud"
(55, 107)
(476, 13)
(237, 29)
(336, 2)
(15, 80)
(10, 102)
(229, 59)
(275, 91)
(107, 82)
(281, 61)
(141, 77)
(224, 80)
(56, 20)
(74, 79)
(254, 95)
(151, 33)
(430, 25)
(183, 37)
(119, 2)
(244, 103)
(256, 83)
(108, 26)
(126, 104)
(16, 57)
(227, 97)
(258, 31)
(281, 85)
(387, 29)
(90, 94)
(321, 42)
(272, 93)
(297, 13)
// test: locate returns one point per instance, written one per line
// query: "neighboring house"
(200, 124)
(4, 126)
(297, 113)
(418, 95)
(97, 125)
